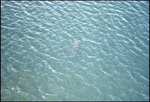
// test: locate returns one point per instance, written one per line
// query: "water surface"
(111, 63)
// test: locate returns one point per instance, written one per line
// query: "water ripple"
(38, 37)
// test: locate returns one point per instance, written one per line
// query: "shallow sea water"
(41, 59)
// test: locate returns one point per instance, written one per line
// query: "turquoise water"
(41, 58)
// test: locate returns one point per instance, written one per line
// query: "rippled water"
(41, 59)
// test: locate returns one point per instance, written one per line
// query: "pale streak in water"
(75, 48)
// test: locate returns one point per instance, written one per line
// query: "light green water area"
(74, 50)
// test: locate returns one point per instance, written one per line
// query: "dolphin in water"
(75, 48)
